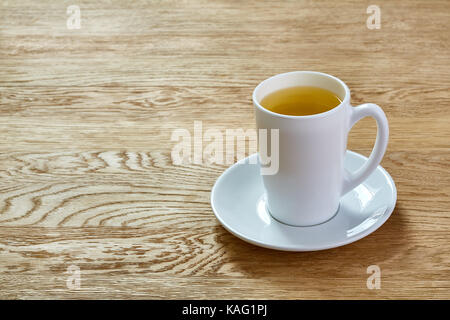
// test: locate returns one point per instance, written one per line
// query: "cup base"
(300, 225)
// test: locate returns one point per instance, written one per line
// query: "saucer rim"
(297, 248)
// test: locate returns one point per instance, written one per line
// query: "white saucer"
(238, 201)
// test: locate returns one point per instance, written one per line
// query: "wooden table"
(86, 175)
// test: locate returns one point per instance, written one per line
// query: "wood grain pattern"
(86, 117)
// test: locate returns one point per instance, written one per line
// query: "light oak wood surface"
(86, 117)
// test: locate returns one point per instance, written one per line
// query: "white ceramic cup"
(311, 178)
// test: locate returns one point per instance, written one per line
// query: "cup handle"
(351, 180)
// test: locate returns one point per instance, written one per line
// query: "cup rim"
(345, 101)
